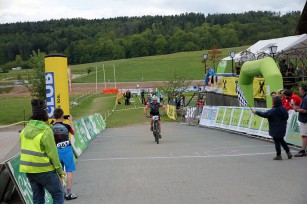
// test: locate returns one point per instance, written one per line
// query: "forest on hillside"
(85, 41)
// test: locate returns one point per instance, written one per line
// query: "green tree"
(37, 81)
(177, 83)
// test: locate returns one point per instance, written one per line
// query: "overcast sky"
(37, 10)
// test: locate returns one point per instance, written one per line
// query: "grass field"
(153, 68)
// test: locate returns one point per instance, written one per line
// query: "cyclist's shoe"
(160, 136)
(71, 196)
(301, 153)
(151, 128)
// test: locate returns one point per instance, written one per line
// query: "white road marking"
(177, 157)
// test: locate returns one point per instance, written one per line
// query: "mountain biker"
(154, 110)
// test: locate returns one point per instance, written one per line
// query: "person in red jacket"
(282, 96)
(291, 100)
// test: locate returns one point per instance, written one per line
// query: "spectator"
(200, 105)
(178, 100)
(302, 118)
(273, 94)
(291, 70)
(182, 101)
(149, 98)
(39, 158)
(282, 96)
(209, 76)
(160, 96)
(291, 100)
(127, 97)
(283, 67)
(277, 118)
(143, 96)
(61, 136)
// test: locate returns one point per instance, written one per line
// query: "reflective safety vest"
(32, 158)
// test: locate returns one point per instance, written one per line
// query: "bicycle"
(155, 128)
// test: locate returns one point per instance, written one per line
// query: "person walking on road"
(61, 136)
(302, 118)
(39, 158)
(277, 118)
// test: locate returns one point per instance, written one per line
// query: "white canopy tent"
(287, 47)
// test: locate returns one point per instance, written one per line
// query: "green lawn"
(153, 68)
(14, 109)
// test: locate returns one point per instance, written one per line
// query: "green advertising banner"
(80, 125)
(79, 141)
(255, 124)
(293, 134)
(245, 120)
(101, 120)
(227, 117)
(97, 122)
(89, 127)
(94, 123)
(264, 128)
(220, 116)
(236, 115)
(22, 182)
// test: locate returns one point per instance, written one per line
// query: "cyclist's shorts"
(152, 114)
(67, 159)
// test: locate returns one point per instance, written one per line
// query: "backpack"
(60, 133)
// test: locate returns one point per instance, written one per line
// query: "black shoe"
(278, 157)
(301, 153)
(71, 196)
(160, 136)
(151, 128)
(289, 155)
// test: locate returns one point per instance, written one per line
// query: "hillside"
(85, 41)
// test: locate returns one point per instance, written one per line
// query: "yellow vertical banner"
(56, 83)
(259, 88)
(229, 85)
(171, 112)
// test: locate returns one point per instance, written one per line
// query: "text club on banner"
(56, 83)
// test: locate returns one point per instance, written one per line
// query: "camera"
(66, 117)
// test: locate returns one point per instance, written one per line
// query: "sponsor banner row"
(86, 129)
(242, 120)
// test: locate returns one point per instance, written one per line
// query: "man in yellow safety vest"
(39, 156)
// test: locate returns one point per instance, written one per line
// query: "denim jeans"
(49, 181)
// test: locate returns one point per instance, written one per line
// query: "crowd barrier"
(242, 120)
(12, 181)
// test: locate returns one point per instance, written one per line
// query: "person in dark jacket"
(277, 118)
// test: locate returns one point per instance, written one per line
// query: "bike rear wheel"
(156, 132)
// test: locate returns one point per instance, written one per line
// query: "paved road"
(191, 165)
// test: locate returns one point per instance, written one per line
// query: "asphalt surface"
(191, 165)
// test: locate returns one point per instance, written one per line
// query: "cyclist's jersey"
(154, 108)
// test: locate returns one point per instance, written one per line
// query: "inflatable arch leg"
(270, 72)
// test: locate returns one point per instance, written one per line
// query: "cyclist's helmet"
(154, 98)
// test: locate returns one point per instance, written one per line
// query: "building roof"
(302, 24)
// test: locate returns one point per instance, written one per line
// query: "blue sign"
(50, 95)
